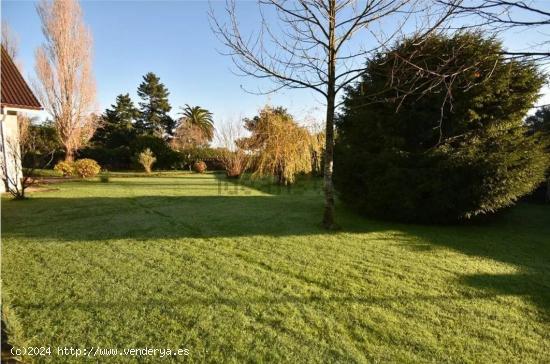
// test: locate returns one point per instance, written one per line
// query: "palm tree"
(200, 118)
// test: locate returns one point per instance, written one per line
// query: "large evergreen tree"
(457, 150)
(117, 127)
(154, 119)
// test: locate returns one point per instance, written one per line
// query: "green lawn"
(245, 274)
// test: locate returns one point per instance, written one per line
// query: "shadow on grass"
(213, 207)
(520, 237)
(52, 219)
(535, 286)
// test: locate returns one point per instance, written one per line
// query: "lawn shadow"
(209, 206)
(53, 219)
(532, 285)
(519, 236)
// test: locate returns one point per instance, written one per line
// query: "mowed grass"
(245, 274)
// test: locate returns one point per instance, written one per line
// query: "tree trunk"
(328, 215)
(69, 155)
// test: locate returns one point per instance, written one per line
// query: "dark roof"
(14, 90)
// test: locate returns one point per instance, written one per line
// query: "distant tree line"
(126, 130)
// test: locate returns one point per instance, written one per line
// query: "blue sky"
(172, 39)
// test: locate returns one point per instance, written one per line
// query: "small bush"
(234, 163)
(166, 158)
(65, 168)
(234, 171)
(86, 168)
(199, 167)
(146, 159)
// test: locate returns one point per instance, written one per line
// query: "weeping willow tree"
(281, 147)
(316, 150)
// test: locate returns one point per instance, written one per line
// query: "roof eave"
(22, 107)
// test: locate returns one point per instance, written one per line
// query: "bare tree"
(66, 85)
(16, 177)
(502, 15)
(10, 40)
(15, 182)
(234, 159)
(313, 44)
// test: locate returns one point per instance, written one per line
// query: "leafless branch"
(314, 44)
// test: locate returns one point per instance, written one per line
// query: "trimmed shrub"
(409, 163)
(65, 168)
(199, 167)
(147, 159)
(86, 168)
(166, 157)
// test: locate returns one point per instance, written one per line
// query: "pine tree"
(118, 123)
(154, 119)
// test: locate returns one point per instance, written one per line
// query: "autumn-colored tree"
(317, 147)
(188, 135)
(281, 147)
(66, 85)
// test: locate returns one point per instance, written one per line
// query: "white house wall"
(10, 150)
